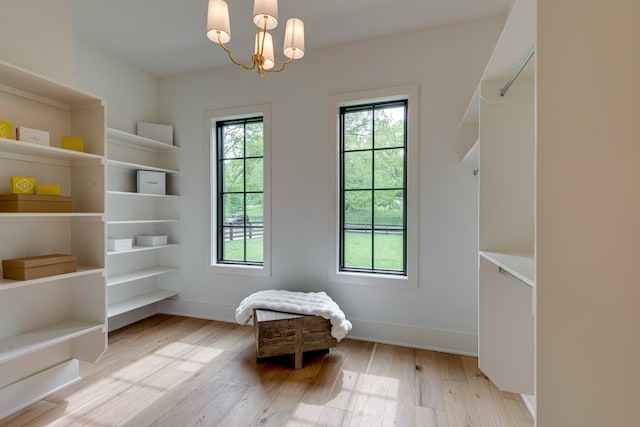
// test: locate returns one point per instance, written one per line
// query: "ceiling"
(164, 37)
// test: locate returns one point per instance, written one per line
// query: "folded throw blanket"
(312, 303)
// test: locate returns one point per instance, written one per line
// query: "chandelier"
(265, 17)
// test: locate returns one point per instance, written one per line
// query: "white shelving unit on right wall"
(505, 156)
(139, 277)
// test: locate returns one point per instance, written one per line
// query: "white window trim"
(411, 94)
(212, 117)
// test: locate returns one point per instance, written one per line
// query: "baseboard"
(200, 310)
(23, 393)
(415, 336)
(133, 316)
(365, 330)
(530, 403)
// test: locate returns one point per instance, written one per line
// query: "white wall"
(37, 35)
(588, 213)
(447, 63)
(131, 94)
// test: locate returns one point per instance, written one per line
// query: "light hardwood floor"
(177, 371)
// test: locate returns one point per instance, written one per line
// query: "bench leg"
(298, 359)
(299, 342)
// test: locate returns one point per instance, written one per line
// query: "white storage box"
(151, 240)
(162, 133)
(119, 244)
(32, 135)
(151, 182)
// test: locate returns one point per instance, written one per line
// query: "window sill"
(238, 269)
(371, 279)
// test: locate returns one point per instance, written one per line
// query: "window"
(373, 231)
(240, 190)
(374, 210)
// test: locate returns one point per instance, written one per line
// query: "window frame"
(409, 279)
(343, 228)
(227, 115)
(220, 223)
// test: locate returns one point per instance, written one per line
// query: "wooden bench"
(285, 333)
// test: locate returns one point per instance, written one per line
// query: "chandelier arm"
(231, 57)
(284, 64)
(264, 36)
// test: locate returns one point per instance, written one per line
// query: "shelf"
(25, 83)
(46, 154)
(81, 271)
(520, 266)
(39, 349)
(144, 221)
(471, 158)
(134, 194)
(38, 339)
(143, 248)
(140, 274)
(516, 39)
(471, 116)
(125, 138)
(139, 301)
(40, 215)
(129, 153)
(138, 166)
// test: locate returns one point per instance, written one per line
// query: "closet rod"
(517, 72)
(524, 285)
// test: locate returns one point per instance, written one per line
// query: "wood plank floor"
(178, 371)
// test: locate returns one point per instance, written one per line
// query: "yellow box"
(23, 185)
(48, 190)
(6, 130)
(73, 143)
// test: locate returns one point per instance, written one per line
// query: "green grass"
(234, 249)
(387, 252)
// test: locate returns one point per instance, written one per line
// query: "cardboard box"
(30, 203)
(152, 182)
(48, 190)
(75, 143)
(162, 133)
(151, 240)
(6, 130)
(32, 135)
(119, 244)
(23, 185)
(38, 266)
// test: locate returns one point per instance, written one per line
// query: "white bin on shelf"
(119, 244)
(152, 182)
(144, 240)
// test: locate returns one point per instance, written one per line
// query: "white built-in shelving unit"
(48, 324)
(505, 156)
(144, 275)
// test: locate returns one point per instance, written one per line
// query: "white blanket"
(313, 303)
